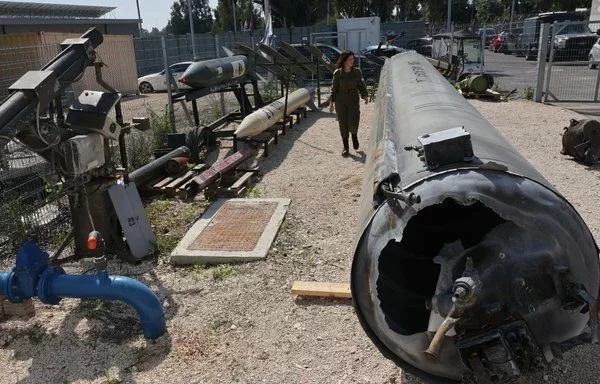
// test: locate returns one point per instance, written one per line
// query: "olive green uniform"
(344, 93)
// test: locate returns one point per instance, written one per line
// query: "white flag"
(268, 36)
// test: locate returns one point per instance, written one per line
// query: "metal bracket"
(43, 83)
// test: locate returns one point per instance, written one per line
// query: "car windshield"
(472, 50)
(574, 28)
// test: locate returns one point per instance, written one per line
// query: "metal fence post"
(541, 64)
(550, 60)
(168, 77)
(221, 96)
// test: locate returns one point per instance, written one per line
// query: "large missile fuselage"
(201, 74)
(483, 275)
(267, 116)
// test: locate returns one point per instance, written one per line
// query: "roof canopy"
(42, 10)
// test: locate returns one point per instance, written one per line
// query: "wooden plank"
(170, 189)
(321, 289)
(241, 181)
(159, 186)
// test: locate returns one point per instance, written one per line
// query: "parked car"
(489, 33)
(385, 50)
(505, 42)
(422, 45)
(594, 55)
(572, 41)
(158, 81)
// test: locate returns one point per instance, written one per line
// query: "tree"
(297, 13)
(180, 21)
(488, 11)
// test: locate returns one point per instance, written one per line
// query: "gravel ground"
(247, 327)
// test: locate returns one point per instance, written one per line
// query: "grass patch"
(109, 379)
(171, 220)
(528, 93)
(221, 271)
(253, 193)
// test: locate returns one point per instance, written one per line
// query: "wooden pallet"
(176, 185)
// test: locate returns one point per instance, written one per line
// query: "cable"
(87, 207)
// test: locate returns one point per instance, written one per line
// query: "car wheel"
(591, 65)
(146, 87)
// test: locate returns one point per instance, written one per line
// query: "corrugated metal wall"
(20, 53)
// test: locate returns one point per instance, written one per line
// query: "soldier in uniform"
(347, 84)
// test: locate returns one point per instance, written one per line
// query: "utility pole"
(191, 17)
(449, 21)
(234, 18)
(327, 12)
(512, 11)
(137, 2)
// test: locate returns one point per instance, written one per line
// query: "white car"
(158, 81)
(594, 55)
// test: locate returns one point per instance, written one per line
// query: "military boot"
(355, 142)
(346, 147)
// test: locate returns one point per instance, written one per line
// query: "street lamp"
(234, 18)
(449, 21)
(137, 2)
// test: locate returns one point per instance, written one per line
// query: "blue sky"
(155, 13)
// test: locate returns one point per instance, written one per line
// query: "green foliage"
(109, 379)
(528, 93)
(171, 220)
(221, 271)
(13, 225)
(160, 127)
(253, 193)
(299, 13)
(488, 11)
(180, 21)
(139, 149)
(244, 10)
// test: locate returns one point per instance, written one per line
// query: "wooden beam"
(321, 289)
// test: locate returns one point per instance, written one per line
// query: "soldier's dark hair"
(343, 57)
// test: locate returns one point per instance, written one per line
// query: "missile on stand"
(267, 116)
(201, 74)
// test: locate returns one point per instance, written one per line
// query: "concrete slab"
(232, 230)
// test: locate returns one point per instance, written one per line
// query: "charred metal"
(469, 265)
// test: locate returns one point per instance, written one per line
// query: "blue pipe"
(32, 276)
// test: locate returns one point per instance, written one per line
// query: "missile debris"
(267, 116)
(468, 265)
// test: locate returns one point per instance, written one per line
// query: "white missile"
(267, 116)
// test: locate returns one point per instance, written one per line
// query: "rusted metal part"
(219, 168)
(155, 168)
(176, 165)
(531, 250)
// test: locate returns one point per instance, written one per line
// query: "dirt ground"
(240, 324)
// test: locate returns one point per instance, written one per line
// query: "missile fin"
(228, 51)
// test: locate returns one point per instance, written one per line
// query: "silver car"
(158, 81)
